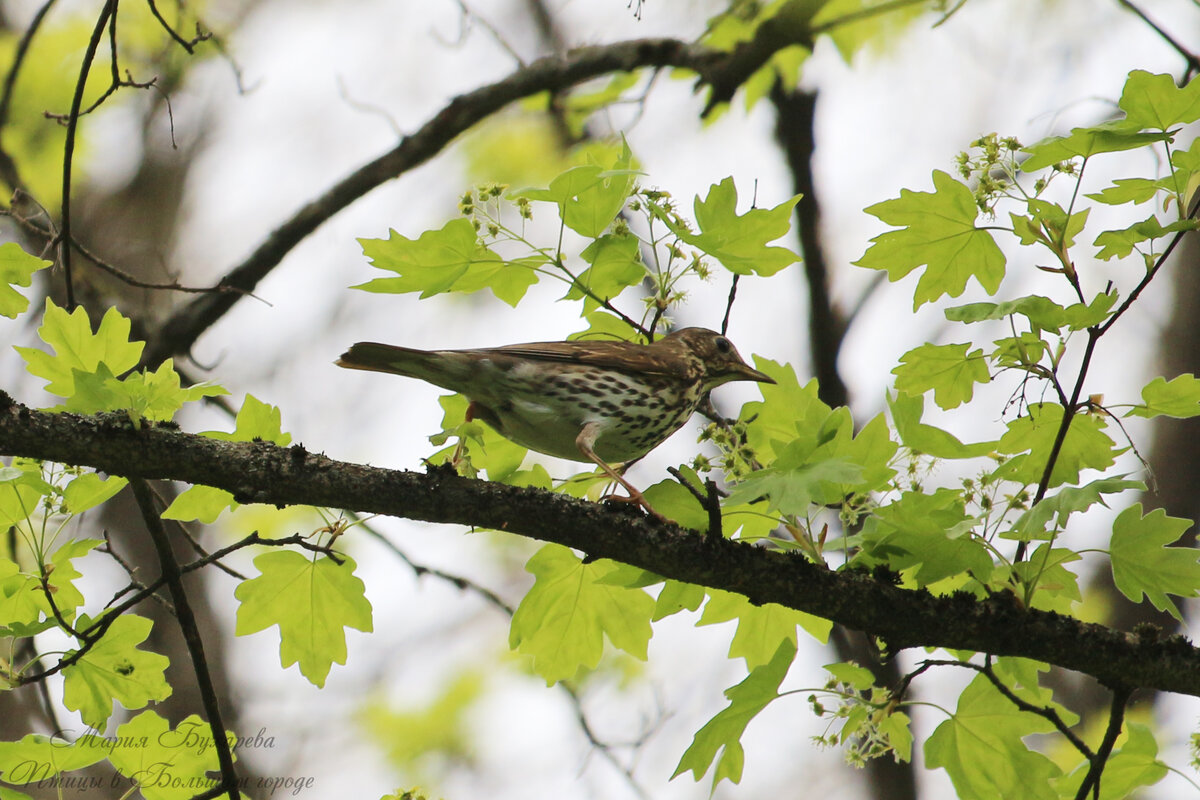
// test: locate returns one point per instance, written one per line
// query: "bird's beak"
(745, 372)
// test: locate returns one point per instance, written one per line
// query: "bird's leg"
(585, 441)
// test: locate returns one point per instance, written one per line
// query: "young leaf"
(1144, 564)
(740, 243)
(16, 269)
(37, 757)
(312, 601)
(563, 619)
(948, 369)
(929, 530)
(1178, 397)
(589, 197)
(928, 439)
(761, 629)
(1131, 190)
(62, 574)
(1107, 137)
(446, 260)
(200, 504)
(256, 421)
(1154, 101)
(165, 764)
(1120, 243)
(676, 596)
(1036, 523)
(114, 669)
(76, 348)
(724, 731)
(981, 748)
(90, 490)
(1086, 445)
(937, 231)
(616, 265)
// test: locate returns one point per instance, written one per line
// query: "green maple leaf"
(1143, 564)
(1154, 101)
(563, 619)
(1086, 445)
(1107, 137)
(1178, 397)
(791, 490)
(115, 670)
(982, 751)
(1120, 243)
(907, 411)
(589, 197)
(938, 232)
(312, 601)
(78, 350)
(1050, 515)
(948, 369)
(166, 764)
(761, 629)
(616, 264)
(1131, 190)
(788, 413)
(256, 421)
(21, 601)
(929, 530)
(90, 490)
(723, 733)
(740, 243)
(201, 504)
(16, 269)
(676, 596)
(63, 573)
(446, 260)
(37, 757)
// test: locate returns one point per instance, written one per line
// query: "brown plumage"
(607, 401)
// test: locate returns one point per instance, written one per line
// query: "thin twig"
(1192, 61)
(191, 633)
(1116, 719)
(110, 8)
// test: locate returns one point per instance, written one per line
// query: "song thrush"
(610, 402)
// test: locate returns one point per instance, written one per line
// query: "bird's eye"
(723, 345)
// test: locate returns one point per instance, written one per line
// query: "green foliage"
(981, 747)
(16, 269)
(938, 232)
(1143, 564)
(563, 619)
(312, 601)
(723, 733)
(115, 669)
(165, 763)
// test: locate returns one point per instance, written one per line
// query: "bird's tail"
(432, 366)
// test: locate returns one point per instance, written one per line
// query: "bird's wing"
(625, 357)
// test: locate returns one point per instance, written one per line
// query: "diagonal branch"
(552, 73)
(259, 472)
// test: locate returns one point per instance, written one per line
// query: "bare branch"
(260, 472)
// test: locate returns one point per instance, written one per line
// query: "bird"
(609, 402)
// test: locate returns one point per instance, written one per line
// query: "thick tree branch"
(258, 472)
